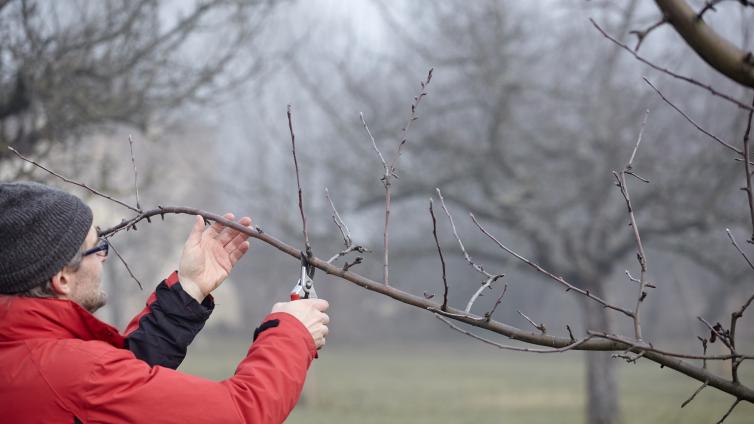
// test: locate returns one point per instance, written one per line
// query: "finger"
(318, 304)
(325, 319)
(239, 237)
(216, 228)
(237, 240)
(325, 332)
(196, 231)
(239, 252)
(228, 233)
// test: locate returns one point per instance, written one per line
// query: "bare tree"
(574, 239)
(72, 68)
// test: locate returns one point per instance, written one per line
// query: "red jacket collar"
(23, 318)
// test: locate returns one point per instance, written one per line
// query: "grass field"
(475, 385)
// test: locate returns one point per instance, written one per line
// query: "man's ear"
(61, 284)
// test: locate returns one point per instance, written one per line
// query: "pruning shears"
(304, 288)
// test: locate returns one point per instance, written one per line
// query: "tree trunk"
(602, 390)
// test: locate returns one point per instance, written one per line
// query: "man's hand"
(209, 254)
(311, 313)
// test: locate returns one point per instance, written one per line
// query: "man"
(59, 363)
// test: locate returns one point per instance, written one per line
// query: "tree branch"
(747, 170)
(687, 401)
(125, 264)
(559, 280)
(732, 407)
(719, 53)
(442, 260)
(93, 191)
(603, 344)
(702, 130)
(641, 255)
(298, 182)
(136, 175)
(671, 73)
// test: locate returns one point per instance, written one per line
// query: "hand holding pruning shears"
(306, 306)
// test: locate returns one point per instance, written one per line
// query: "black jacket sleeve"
(160, 334)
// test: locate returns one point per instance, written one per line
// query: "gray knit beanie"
(41, 230)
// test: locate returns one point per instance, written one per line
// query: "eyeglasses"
(103, 246)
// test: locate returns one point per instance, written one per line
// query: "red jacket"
(60, 364)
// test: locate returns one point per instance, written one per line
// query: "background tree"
(524, 131)
(75, 68)
(77, 78)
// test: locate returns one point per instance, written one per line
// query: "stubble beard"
(94, 301)
(91, 296)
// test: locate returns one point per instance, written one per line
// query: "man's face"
(86, 281)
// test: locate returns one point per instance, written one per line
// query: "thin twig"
(626, 355)
(344, 231)
(540, 327)
(671, 73)
(638, 140)
(723, 337)
(499, 300)
(513, 348)
(702, 130)
(733, 240)
(349, 265)
(732, 407)
(386, 183)
(636, 280)
(641, 255)
(570, 333)
(391, 172)
(442, 260)
(640, 345)
(411, 118)
(136, 175)
(298, 182)
(747, 169)
(687, 401)
(641, 35)
(371, 137)
(704, 351)
(710, 5)
(746, 304)
(93, 191)
(633, 174)
(477, 267)
(735, 316)
(344, 252)
(459, 316)
(559, 280)
(123, 261)
(486, 285)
